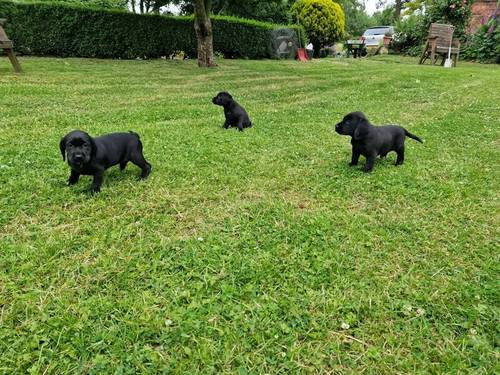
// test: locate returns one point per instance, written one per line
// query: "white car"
(375, 35)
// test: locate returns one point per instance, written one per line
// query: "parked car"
(374, 36)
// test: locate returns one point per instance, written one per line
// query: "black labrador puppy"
(370, 141)
(92, 156)
(235, 113)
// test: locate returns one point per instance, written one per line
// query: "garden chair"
(7, 47)
(438, 43)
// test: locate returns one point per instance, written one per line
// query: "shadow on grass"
(112, 178)
(342, 167)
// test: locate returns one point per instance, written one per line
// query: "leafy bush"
(356, 19)
(268, 11)
(66, 30)
(108, 4)
(484, 45)
(408, 36)
(455, 12)
(324, 21)
(411, 32)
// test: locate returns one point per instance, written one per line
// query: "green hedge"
(55, 29)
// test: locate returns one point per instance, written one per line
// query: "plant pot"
(387, 41)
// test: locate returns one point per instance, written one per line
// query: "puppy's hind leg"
(370, 161)
(123, 165)
(240, 125)
(97, 182)
(138, 159)
(401, 155)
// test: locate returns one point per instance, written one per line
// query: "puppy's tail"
(413, 136)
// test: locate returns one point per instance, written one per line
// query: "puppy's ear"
(362, 129)
(62, 147)
(93, 147)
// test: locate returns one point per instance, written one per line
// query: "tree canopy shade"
(275, 11)
(104, 4)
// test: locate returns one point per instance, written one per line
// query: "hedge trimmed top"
(67, 30)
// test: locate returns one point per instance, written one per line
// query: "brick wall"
(481, 11)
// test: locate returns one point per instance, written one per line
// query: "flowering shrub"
(455, 12)
(484, 45)
(412, 31)
(409, 36)
(323, 20)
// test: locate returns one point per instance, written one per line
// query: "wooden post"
(8, 48)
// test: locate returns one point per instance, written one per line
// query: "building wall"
(481, 11)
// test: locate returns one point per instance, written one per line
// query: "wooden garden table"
(8, 48)
(355, 47)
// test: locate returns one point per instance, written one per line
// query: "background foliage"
(103, 4)
(62, 30)
(484, 45)
(276, 11)
(412, 31)
(324, 21)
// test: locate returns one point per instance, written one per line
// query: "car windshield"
(379, 31)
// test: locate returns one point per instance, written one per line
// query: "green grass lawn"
(254, 252)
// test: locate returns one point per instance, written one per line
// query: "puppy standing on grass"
(370, 141)
(235, 113)
(92, 156)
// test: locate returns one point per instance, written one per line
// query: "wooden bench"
(8, 48)
(438, 43)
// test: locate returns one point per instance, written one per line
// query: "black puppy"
(235, 113)
(370, 141)
(92, 156)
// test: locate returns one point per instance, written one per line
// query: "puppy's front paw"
(146, 172)
(351, 164)
(367, 169)
(73, 178)
(95, 189)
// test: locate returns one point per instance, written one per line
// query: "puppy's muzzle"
(78, 158)
(338, 128)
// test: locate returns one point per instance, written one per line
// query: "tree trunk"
(203, 28)
(397, 9)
